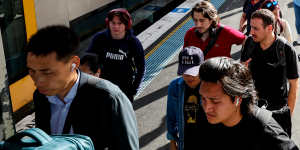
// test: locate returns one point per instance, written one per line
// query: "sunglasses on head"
(270, 4)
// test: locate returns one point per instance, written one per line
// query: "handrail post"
(7, 128)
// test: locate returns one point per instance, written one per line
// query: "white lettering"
(187, 60)
(114, 56)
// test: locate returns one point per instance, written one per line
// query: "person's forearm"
(242, 22)
(292, 97)
(288, 33)
(139, 76)
(173, 145)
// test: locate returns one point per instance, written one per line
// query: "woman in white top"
(282, 27)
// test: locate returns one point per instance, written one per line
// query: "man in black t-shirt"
(228, 99)
(248, 8)
(272, 65)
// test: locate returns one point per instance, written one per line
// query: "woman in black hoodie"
(121, 55)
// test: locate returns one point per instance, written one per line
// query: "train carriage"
(20, 19)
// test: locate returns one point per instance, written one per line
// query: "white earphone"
(73, 66)
(237, 101)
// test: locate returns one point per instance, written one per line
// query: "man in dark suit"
(68, 101)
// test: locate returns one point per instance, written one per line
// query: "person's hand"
(173, 145)
(242, 27)
(246, 63)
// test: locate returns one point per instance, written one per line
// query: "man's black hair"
(235, 78)
(56, 38)
(91, 61)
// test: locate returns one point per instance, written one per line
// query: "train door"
(12, 58)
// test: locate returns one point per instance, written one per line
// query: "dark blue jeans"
(297, 17)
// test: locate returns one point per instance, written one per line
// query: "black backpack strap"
(281, 57)
(280, 50)
(247, 49)
(213, 40)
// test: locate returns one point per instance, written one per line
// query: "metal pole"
(7, 128)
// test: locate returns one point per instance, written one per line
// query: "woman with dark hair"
(282, 27)
(121, 54)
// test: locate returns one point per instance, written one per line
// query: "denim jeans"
(297, 17)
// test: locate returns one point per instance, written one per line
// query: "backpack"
(282, 116)
(37, 139)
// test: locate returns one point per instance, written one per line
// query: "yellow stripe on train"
(21, 91)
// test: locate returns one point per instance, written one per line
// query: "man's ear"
(98, 73)
(76, 60)
(270, 27)
(238, 101)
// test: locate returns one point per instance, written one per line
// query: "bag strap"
(280, 50)
(213, 40)
(247, 49)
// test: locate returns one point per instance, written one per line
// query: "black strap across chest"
(213, 40)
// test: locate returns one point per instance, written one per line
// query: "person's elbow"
(293, 84)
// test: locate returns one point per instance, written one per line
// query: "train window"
(12, 24)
